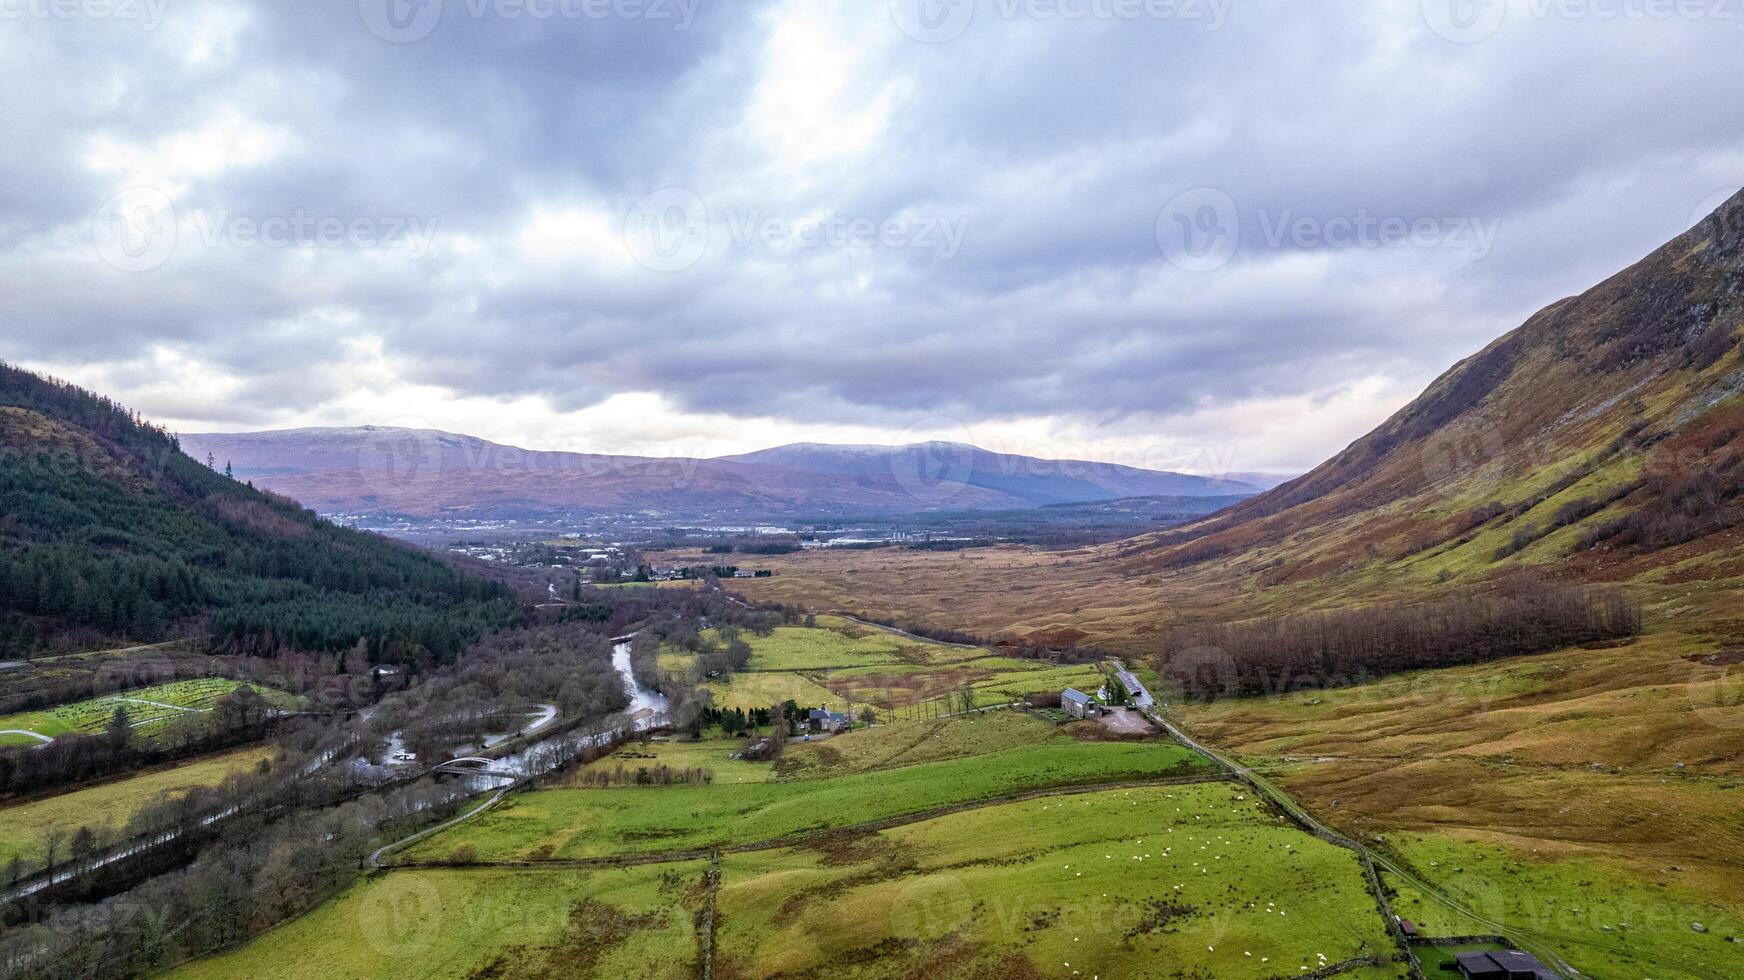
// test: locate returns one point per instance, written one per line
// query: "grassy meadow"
(1198, 880)
(584, 823)
(711, 754)
(633, 923)
(1602, 918)
(839, 661)
(1171, 881)
(23, 826)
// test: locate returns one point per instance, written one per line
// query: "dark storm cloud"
(1024, 166)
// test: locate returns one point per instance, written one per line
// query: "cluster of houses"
(1080, 705)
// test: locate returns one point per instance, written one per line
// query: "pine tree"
(120, 730)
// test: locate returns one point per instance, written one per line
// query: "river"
(647, 710)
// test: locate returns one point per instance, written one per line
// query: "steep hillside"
(1600, 440)
(111, 533)
(1599, 443)
(425, 473)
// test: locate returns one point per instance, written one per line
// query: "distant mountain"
(427, 474)
(109, 531)
(1603, 439)
(1038, 482)
(1263, 481)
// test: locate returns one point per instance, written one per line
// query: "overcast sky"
(1209, 234)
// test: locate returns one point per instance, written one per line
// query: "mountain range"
(427, 474)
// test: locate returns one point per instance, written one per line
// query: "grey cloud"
(1056, 144)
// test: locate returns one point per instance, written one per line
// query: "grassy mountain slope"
(111, 533)
(1598, 441)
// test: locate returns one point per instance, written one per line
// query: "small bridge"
(474, 766)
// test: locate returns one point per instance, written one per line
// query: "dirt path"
(44, 739)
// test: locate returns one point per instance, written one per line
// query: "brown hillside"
(1614, 403)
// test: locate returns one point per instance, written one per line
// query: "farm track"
(775, 843)
(1530, 941)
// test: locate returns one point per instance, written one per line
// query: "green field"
(578, 823)
(711, 754)
(628, 923)
(111, 805)
(148, 708)
(1198, 880)
(839, 661)
(1175, 881)
(892, 744)
(750, 691)
(1602, 919)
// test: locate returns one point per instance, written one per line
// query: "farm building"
(1076, 703)
(1135, 688)
(825, 720)
(1513, 965)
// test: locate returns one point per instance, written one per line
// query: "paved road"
(375, 860)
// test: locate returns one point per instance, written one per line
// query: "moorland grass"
(620, 923)
(581, 823)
